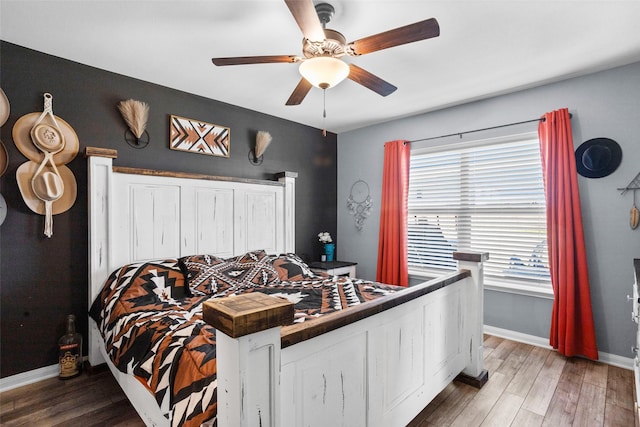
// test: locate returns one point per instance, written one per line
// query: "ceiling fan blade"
(370, 81)
(299, 93)
(306, 16)
(409, 33)
(243, 60)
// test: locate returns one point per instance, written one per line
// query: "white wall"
(605, 104)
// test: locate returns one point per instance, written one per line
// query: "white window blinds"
(486, 197)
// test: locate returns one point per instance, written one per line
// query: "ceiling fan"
(322, 48)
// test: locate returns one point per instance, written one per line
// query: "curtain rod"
(483, 129)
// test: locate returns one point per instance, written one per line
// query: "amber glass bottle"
(70, 346)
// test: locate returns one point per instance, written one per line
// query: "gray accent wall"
(42, 280)
(604, 104)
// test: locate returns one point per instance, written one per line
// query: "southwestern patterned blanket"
(150, 317)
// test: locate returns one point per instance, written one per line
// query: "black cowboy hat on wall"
(598, 157)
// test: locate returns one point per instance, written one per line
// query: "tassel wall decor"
(135, 114)
(263, 139)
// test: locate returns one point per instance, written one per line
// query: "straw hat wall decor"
(22, 138)
(4, 107)
(135, 114)
(61, 189)
(4, 115)
(4, 157)
(47, 186)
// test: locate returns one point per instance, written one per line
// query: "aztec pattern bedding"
(150, 317)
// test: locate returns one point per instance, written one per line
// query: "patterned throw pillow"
(199, 271)
(210, 275)
(291, 268)
(253, 269)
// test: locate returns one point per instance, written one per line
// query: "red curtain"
(572, 330)
(392, 243)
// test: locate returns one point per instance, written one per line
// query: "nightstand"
(334, 268)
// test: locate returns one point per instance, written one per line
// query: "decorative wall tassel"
(135, 114)
(263, 139)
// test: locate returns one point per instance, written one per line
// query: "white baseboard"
(609, 359)
(29, 377)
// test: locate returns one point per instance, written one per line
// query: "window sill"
(420, 276)
(531, 291)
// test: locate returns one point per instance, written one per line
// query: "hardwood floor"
(528, 386)
(85, 401)
(532, 386)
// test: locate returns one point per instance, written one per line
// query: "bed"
(377, 363)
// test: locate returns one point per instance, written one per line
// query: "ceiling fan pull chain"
(324, 103)
(324, 112)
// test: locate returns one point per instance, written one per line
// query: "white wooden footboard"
(381, 370)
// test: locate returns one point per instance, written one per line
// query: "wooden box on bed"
(247, 313)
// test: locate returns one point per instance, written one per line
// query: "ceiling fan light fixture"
(324, 71)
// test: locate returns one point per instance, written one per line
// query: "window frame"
(523, 288)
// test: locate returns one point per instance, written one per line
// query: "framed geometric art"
(196, 136)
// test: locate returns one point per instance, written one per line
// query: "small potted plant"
(329, 247)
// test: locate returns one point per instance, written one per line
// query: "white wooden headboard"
(137, 215)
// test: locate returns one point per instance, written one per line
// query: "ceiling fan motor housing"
(333, 45)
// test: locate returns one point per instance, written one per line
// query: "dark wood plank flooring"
(528, 386)
(85, 401)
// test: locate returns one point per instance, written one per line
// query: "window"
(485, 196)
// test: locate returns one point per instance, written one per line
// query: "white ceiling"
(485, 48)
